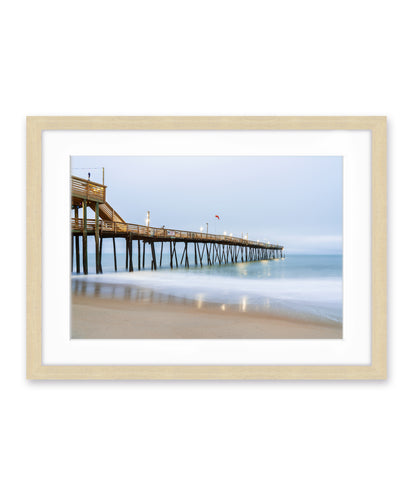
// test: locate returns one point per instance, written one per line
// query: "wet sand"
(106, 318)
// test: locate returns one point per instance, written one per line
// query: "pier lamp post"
(207, 226)
(148, 219)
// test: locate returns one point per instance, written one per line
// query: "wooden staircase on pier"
(106, 212)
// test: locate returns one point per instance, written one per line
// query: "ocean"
(303, 287)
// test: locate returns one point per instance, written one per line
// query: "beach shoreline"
(95, 317)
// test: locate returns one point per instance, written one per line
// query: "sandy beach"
(107, 318)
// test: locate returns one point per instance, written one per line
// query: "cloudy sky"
(293, 200)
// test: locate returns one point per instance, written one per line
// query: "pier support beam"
(186, 256)
(152, 246)
(199, 253)
(203, 251)
(77, 256)
(77, 259)
(217, 253)
(130, 254)
(208, 254)
(176, 256)
(183, 254)
(100, 263)
(115, 254)
(97, 239)
(84, 238)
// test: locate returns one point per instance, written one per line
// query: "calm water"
(305, 287)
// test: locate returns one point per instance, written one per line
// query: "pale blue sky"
(293, 200)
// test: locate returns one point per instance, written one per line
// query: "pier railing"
(162, 233)
(85, 189)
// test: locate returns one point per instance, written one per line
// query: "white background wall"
(154, 440)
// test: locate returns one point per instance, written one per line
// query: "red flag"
(216, 216)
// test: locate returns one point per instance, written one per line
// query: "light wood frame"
(378, 368)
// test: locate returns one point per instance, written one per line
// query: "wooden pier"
(107, 224)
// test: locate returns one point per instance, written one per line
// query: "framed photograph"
(206, 247)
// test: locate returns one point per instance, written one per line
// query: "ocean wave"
(317, 299)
